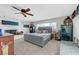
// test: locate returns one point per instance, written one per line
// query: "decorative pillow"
(45, 31)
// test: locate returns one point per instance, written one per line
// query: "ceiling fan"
(24, 12)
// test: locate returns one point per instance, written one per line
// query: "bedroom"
(41, 30)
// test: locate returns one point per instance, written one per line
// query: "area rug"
(68, 48)
(22, 47)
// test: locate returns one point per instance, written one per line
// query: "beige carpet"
(25, 48)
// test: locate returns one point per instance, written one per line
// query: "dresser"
(7, 44)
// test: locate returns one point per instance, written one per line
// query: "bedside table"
(55, 35)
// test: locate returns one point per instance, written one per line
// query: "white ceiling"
(40, 11)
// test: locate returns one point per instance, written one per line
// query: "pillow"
(45, 31)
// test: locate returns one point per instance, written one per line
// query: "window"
(54, 25)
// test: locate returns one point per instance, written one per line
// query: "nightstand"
(55, 35)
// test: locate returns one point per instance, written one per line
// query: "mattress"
(43, 35)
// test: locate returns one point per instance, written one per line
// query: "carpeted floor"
(25, 48)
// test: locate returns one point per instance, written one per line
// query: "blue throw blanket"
(0, 32)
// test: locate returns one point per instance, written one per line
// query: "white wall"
(18, 28)
(26, 30)
(76, 27)
(59, 21)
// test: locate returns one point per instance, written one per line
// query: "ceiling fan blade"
(24, 14)
(28, 9)
(18, 13)
(16, 8)
(29, 14)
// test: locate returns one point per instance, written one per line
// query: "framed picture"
(4, 22)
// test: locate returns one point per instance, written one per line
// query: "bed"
(40, 39)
